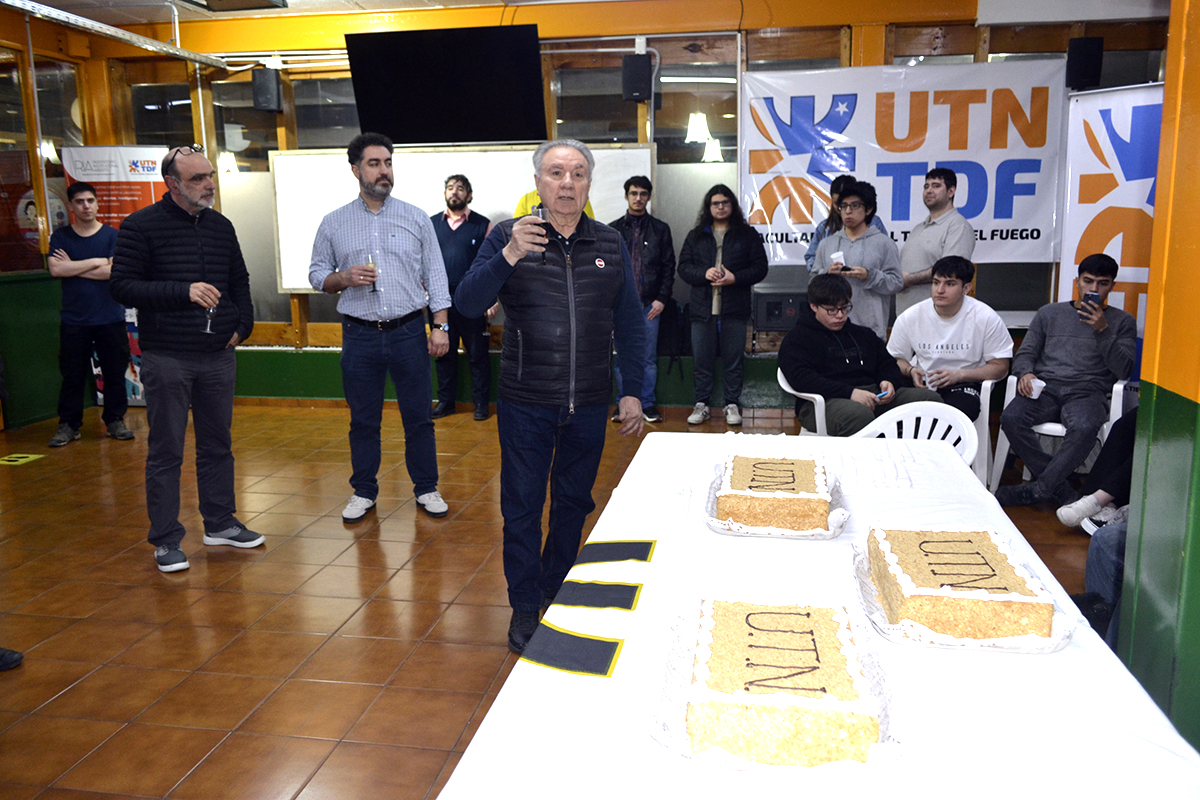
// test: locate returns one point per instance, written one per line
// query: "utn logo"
(143, 166)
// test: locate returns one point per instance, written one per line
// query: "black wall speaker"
(268, 90)
(635, 77)
(1085, 57)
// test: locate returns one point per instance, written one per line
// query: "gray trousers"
(174, 382)
(845, 417)
(1082, 416)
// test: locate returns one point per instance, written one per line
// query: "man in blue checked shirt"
(382, 255)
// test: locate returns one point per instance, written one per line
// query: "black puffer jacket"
(658, 256)
(161, 251)
(561, 313)
(742, 253)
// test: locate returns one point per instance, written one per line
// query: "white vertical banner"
(998, 126)
(1112, 167)
(127, 178)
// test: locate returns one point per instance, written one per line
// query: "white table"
(1074, 723)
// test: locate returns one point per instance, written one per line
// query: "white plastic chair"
(926, 420)
(1115, 410)
(983, 455)
(817, 400)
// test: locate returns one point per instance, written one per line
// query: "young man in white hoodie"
(868, 258)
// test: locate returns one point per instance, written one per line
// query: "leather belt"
(385, 324)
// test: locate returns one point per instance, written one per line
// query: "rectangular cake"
(780, 685)
(787, 493)
(963, 584)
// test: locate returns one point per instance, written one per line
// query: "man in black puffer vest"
(179, 263)
(567, 288)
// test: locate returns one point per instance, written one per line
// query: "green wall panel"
(289, 373)
(29, 306)
(1160, 608)
(317, 374)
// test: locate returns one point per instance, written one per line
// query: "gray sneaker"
(64, 436)
(699, 414)
(1107, 516)
(118, 431)
(170, 558)
(237, 536)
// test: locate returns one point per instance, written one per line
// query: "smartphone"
(1091, 297)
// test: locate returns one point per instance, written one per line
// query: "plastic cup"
(1038, 385)
(838, 259)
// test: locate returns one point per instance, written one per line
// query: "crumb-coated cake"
(787, 493)
(963, 584)
(780, 685)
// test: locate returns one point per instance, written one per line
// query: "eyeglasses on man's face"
(838, 311)
(854, 206)
(187, 151)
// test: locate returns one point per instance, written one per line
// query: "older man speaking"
(567, 288)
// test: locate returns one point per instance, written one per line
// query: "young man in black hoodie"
(847, 364)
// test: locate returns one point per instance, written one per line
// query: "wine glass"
(209, 314)
(371, 264)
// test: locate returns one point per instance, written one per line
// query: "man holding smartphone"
(1079, 349)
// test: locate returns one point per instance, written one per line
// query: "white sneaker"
(433, 504)
(732, 415)
(357, 508)
(699, 414)
(1073, 514)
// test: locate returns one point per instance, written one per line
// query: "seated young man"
(847, 364)
(952, 343)
(1079, 349)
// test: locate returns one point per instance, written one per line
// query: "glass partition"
(18, 209)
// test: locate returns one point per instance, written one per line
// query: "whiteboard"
(311, 183)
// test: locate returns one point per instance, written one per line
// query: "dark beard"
(375, 190)
(456, 205)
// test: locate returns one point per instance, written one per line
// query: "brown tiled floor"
(335, 662)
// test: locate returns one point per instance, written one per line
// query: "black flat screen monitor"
(455, 85)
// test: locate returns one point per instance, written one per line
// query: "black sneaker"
(616, 415)
(520, 629)
(237, 535)
(170, 558)
(650, 414)
(118, 431)
(10, 659)
(64, 436)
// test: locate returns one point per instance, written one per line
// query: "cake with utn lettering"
(785, 493)
(964, 584)
(781, 685)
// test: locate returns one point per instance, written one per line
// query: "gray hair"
(574, 144)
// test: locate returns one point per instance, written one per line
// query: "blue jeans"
(728, 336)
(175, 382)
(368, 356)
(1105, 571)
(1082, 415)
(651, 374)
(539, 443)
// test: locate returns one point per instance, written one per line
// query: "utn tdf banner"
(998, 126)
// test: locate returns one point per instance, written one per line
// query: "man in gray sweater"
(1078, 349)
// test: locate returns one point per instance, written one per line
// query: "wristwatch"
(443, 326)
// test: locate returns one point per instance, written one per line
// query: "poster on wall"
(126, 178)
(998, 126)
(1112, 163)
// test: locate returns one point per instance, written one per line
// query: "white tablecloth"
(974, 724)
